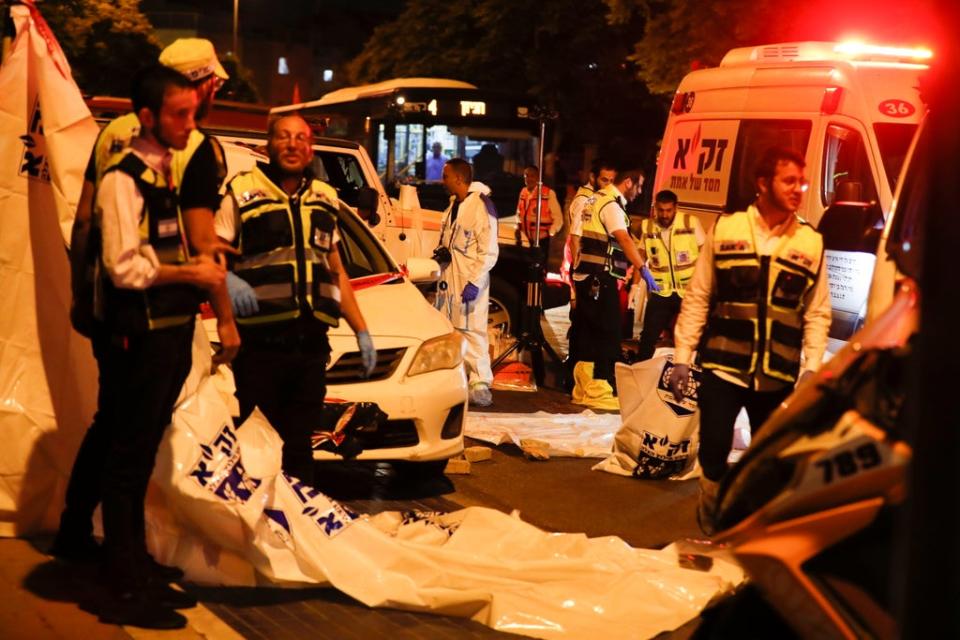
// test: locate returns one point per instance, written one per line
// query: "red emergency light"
(831, 100)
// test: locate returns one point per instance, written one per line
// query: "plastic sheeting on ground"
(232, 517)
(47, 374)
(659, 437)
(580, 435)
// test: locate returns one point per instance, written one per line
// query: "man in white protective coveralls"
(468, 250)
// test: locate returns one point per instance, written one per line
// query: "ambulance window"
(894, 140)
(847, 176)
(753, 139)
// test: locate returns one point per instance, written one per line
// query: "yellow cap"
(195, 58)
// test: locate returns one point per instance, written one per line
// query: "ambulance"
(851, 109)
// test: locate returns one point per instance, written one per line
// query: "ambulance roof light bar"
(860, 49)
(823, 51)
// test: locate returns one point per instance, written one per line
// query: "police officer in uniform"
(606, 252)
(670, 247)
(147, 304)
(758, 306)
(284, 222)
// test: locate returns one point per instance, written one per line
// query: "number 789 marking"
(847, 463)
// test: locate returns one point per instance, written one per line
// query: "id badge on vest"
(321, 231)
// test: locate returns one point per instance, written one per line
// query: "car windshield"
(341, 171)
(894, 139)
(360, 253)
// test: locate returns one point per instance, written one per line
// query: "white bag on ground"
(226, 514)
(659, 436)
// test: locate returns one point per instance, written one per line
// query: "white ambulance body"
(850, 109)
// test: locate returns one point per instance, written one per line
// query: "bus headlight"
(442, 352)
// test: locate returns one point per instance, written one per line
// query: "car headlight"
(442, 352)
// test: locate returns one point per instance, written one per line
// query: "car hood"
(395, 309)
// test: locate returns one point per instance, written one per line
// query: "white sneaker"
(480, 395)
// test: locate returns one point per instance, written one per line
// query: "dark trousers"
(85, 488)
(720, 403)
(659, 313)
(596, 325)
(288, 383)
(143, 375)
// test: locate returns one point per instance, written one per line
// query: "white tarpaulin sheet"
(47, 375)
(580, 435)
(250, 524)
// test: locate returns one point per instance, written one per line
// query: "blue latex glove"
(470, 292)
(648, 278)
(367, 353)
(242, 296)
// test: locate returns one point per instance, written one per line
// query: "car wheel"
(504, 310)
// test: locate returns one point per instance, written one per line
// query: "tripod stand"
(531, 338)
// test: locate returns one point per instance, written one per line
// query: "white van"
(851, 110)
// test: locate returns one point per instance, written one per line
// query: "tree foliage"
(241, 86)
(564, 54)
(679, 35)
(105, 41)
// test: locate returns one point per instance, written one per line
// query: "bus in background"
(400, 121)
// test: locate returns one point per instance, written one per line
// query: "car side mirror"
(367, 201)
(852, 226)
(423, 270)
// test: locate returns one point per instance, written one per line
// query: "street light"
(236, 12)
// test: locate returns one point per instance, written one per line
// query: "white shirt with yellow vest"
(696, 305)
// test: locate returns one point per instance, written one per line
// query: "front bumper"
(418, 409)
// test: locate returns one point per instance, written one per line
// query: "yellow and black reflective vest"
(756, 318)
(285, 242)
(599, 251)
(128, 311)
(672, 268)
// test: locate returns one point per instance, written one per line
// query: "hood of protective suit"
(479, 187)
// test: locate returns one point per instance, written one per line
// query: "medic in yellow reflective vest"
(130, 310)
(756, 319)
(284, 243)
(598, 251)
(672, 268)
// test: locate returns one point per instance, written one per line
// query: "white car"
(419, 381)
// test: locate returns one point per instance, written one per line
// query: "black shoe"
(162, 572)
(166, 596)
(73, 548)
(139, 610)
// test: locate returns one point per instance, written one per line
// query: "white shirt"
(696, 306)
(576, 212)
(129, 260)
